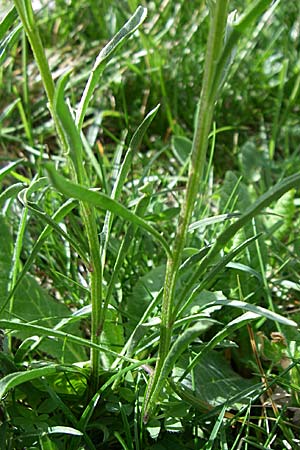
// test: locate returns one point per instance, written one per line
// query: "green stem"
(90, 224)
(199, 148)
(69, 137)
(16, 260)
(29, 23)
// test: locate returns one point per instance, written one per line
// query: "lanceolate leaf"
(7, 21)
(133, 23)
(71, 132)
(133, 146)
(263, 312)
(11, 166)
(102, 201)
(14, 379)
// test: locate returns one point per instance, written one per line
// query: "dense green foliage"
(100, 347)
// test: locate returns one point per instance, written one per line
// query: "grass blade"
(50, 333)
(7, 169)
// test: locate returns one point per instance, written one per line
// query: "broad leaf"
(214, 381)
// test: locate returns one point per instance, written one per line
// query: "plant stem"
(26, 15)
(70, 140)
(199, 148)
(90, 224)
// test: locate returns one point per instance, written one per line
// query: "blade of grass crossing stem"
(102, 201)
(219, 337)
(123, 172)
(128, 29)
(210, 277)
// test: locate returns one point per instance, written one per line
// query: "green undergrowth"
(149, 217)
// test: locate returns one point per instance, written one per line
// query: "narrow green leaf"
(229, 328)
(212, 220)
(102, 201)
(54, 225)
(11, 192)
(237, 29)
(15, 379)
(134, 144)
(130, 27)
(215, 431)
(123, 172)
(64, 430)
(263, 312)
(71, 132)
(253, 210)
(57, 217)
(211, 275)
(7, 111)
(8, 42)
(7, 21)
(50, 333)
(11, 166)
(87, 413)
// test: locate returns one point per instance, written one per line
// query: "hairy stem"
(71, 143)
(199, 148)
(29, 23)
